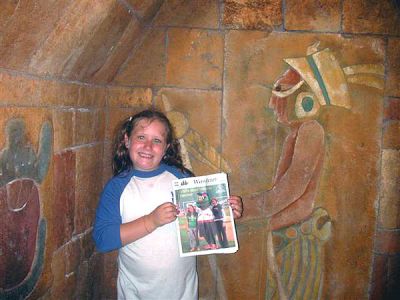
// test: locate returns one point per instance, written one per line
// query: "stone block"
(17, 90)
(145, 10)
(392, 110)
(389, 204)
(393, 68)
(376, 17)
(87, 246)
(252, 14)
(188, 111)
(253, 207)
(92, 96)
(64, 283)
(195, 58)
(100, 43)
(72, 255)
(246, 117)
(110, 273)
(387, 241)
(393, 288)
(199, 14)
(125, 102)
(62, 48)
(63, 129)
(88, 185)
(89, 126)
(147, 65)
(56, 93)
(89, 279)
(83, 281)
(385, 277)
(119, 53)
(313, 15)
(63, 206)
(391, 135)
(379, 277)
(7, 12)
(107, 161)
(116, 117)
(33, 118)
(95, 275)
(129, 97)
(22, 35)
(238, 275)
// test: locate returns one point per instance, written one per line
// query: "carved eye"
(307, 103)
(283, 90)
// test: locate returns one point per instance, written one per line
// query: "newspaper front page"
(205, 222)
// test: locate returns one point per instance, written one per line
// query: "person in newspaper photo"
(193, 232)
(136, 216)
(219, 222)
(205, 221)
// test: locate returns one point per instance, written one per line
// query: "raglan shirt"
(150, 267)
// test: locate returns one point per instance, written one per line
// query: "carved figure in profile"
(22, 229)
(296, 230)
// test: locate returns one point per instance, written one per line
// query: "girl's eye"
(140, 137)
(157, 141)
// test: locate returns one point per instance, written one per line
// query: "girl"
(135, 212)
(193, 233)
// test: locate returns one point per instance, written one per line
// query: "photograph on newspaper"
(205, 221)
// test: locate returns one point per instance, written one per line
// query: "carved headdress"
(324, 75)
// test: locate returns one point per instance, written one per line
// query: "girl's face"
(147, 144)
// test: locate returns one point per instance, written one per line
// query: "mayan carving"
(23, 228)
(297, 230)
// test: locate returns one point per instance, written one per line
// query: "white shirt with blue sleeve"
(150, 267)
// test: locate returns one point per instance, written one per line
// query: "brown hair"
(121, 159)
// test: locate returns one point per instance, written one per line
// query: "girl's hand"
(163, 214)
(237, 206)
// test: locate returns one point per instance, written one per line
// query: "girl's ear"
(126, 141)
(166, 150)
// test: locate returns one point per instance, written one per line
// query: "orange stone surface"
(214, 67)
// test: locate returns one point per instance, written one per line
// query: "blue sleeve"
(106, 231)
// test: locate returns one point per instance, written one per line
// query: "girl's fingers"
(237, 206)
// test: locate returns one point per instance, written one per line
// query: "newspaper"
(205, 221)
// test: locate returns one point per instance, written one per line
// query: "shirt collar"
(148, 174)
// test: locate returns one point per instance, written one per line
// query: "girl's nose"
(148, 144)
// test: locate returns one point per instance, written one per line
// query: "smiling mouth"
(145, 155)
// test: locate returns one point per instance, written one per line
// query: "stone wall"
(217, 67)
(67, 193)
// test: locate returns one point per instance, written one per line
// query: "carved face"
(16, 133)
(283, 89)
(290, 100)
